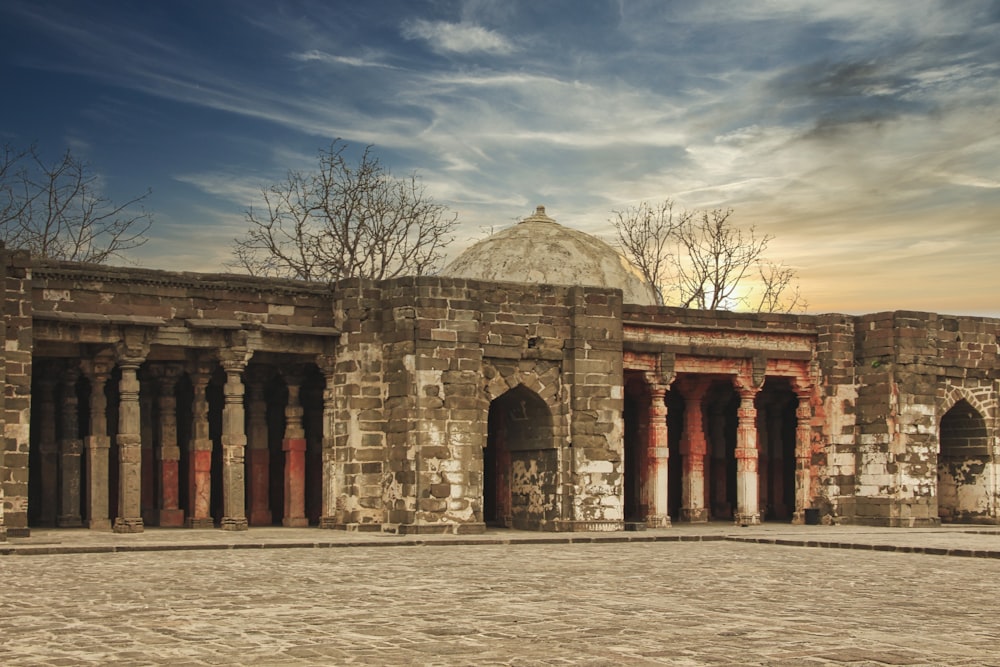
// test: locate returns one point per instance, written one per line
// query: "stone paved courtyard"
(662, 603)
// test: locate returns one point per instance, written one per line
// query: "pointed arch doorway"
(519, 461)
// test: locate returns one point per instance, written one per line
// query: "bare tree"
(343, 221)
(778, 291)
(646, 235)
(701, 260)
(58, 210)
(717, 257)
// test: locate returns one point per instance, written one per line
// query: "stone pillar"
(98, 446)
(747, 482)
(234, 442)
(332, 479)
(168, 462)
(200, 453)
(48, 446)
(803, 458)
(70, 449)
(129, 439)
(693, 449)
(294, 446)
(658, 459)
(258, 454)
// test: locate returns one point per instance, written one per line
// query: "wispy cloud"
(444, 37)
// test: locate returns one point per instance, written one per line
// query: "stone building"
(533, 386)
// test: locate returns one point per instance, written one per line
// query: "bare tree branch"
(645, 235)
(57, 210)
(342, 221)
(701, 260)
(778, 291)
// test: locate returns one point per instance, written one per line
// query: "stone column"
(48, 446)
(98, 446)
(658, 459)
(200, 453)
(70, 449)
(803, 458)
(234, 441)
(129, 439)
(332, 478)
(747, 482)
(294, 446)
(168, 468)
(693, 449)
(258, 454)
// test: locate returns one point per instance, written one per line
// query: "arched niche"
(964, 457)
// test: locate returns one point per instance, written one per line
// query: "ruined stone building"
(532, 386)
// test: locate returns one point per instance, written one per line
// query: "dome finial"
(539, 216)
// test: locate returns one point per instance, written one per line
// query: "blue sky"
(864, 136)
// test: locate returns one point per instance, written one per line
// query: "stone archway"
(963, 482)
(519, 462)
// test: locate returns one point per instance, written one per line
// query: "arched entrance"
(519, 462)
(962, 483)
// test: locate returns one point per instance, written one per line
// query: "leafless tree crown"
(344, 220)
(702, 260)
(57, 209)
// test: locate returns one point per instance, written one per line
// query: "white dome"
(539, 250)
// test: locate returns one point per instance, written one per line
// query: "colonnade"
(695, 453)
(77, 480)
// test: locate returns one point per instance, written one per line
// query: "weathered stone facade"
(434, 404)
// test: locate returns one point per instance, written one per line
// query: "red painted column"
(294, 446)
(258, 455)
(170, 513)
(693, 449)
(657, 460)
(200, 455)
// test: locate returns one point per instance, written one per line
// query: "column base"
(133, 525)
(99, 524)
(295, 522)
(171, 518)
(201, 522)
(69, 522)
(234, 523)
(747, 520)
(658, 522)
(693, 515)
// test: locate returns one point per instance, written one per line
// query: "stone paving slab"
(691, 602)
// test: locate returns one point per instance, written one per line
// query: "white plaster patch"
(56, 295)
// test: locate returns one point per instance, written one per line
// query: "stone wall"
(18, 347)
(420, 361)
(912, 367)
